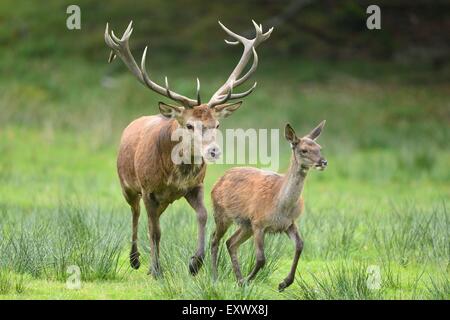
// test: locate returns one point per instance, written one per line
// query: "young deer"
(145, 162)
(260, 201)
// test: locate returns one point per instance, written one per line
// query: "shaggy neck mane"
(165, 146)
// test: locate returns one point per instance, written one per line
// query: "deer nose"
(214, 152)
(324, 162)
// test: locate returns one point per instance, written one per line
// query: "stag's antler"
(225, 92)
(120, 47)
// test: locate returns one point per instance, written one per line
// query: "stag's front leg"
(292, 232)
(195, 199)
(154, 210)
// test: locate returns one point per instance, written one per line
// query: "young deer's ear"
(170, 111)
(290, 135)
(224, 110)
(315, 133)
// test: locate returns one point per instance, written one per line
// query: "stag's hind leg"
(133, 200)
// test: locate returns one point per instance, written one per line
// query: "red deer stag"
(145, 166)
(261, 201)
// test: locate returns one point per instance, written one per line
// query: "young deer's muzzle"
(322, 164)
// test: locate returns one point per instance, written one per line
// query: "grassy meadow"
(382, 202)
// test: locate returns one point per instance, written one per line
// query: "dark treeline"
(411, 30)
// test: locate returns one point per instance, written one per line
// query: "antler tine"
(163, 91)
(233, 43)
(167, 88)
(224, 98)
(258, 29)
(249, 50)
(145, 76)
(120, 47)
(242, 94)
(112, 40)
(259, 32)
(108, 41)
(231, 33)
(199, 100)
(250, 71)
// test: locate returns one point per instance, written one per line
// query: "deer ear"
(224, 110)
(290, 135)
(170, 111)
(315, 133)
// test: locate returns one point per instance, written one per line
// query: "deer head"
(306, 150)
(201, 120)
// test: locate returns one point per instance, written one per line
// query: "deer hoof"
(242, 282)
(283, 285)
(156, 273)
(134, 261)
(195, 264)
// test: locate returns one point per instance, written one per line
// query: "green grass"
(382, 202)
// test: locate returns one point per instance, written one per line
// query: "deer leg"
(154, 210)
(293, 233)
(133, 200)
(221, 229)
(195, 200)
(239, 237)
(260, 258)
(134, 254)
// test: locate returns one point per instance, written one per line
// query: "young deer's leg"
(195, 199)
(239, 237)
(293, 233)
(133, 200)
(154, 210)
(259, 247)
(221, 229)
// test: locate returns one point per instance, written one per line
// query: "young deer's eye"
(190, 126)
(303, 151)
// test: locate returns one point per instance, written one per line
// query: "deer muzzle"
(322, 164)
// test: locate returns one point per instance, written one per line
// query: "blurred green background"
(384, 93)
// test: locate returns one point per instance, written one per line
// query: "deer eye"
(303, 151)
(217, 127)
(190, 126)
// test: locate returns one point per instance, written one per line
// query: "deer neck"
(165, 145)
(292, 185)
